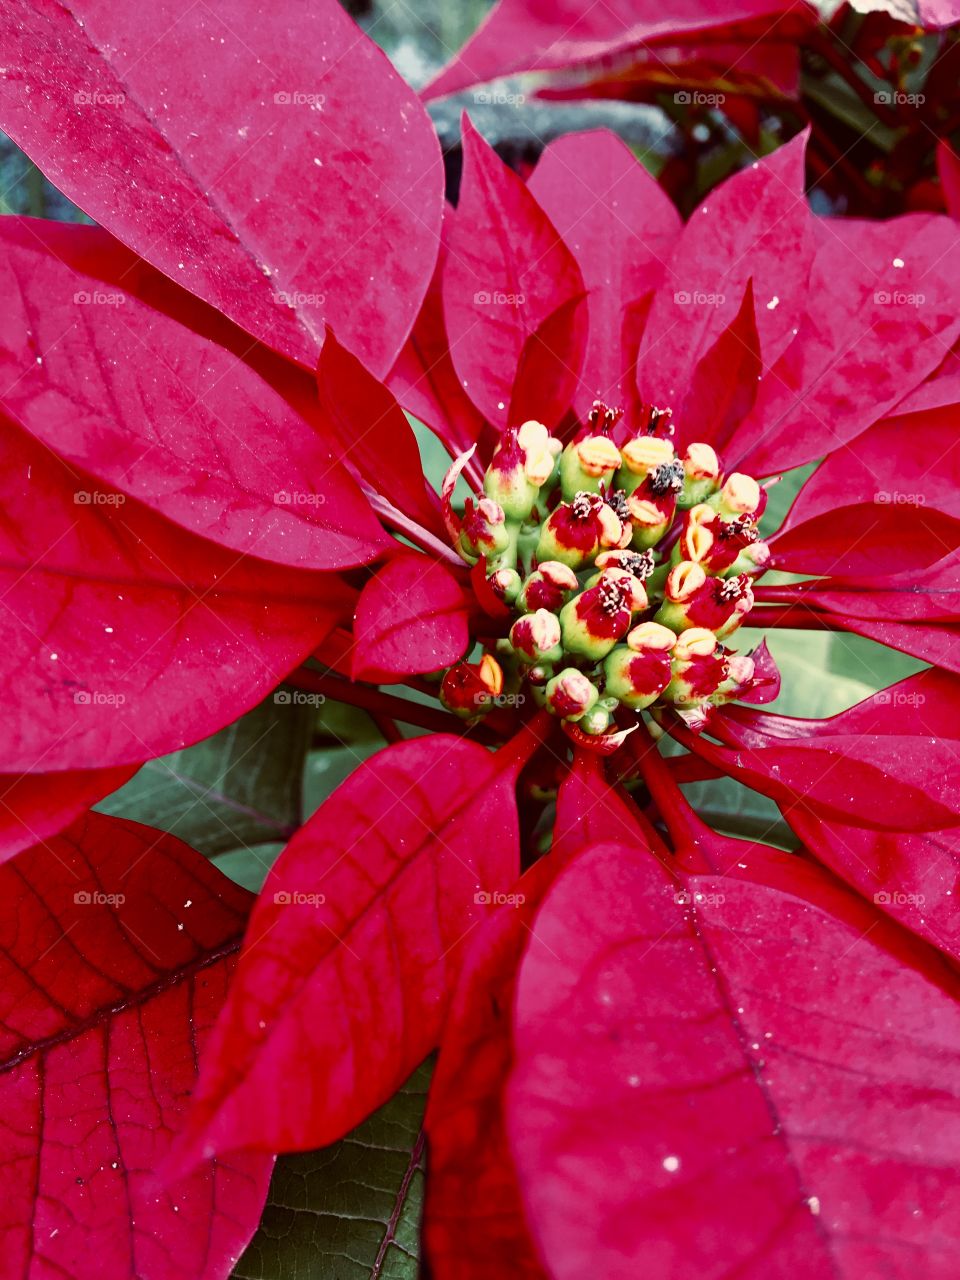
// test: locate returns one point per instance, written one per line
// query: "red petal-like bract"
(157, 411)
(590, 811)
(373, 434)
(411, 619)
(353, 945)
(116, 945)
(888, 763)
(424, 379)
(593, 191)
(506, 273)
(893, 314)
(755, 227)
(473, 1222)
(266, 157)
(887, 504)
(524, 35)
(124, 636)
(35, 806)
(752, 1075)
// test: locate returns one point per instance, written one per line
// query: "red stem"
(416, 533)
(379, 703)
(686, 830)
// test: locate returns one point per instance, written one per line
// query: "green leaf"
(735, 810)
(351, 1211)
(242, 787)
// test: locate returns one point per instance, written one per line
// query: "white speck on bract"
(671, 1164)
(898, 262)
(813, 1204)
(773, 303)
(54, 657)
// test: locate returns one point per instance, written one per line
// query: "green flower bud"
(523, 461)
(701, 475)
(587, 466)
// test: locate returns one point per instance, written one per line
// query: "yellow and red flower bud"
(536, 637)
(640, 458)
(483, 531)
(548, 587)
(599, 616)
(692, 599)
(522, 462)
(698, 667)
(587, 465)
(741, 670)
(577, 530)
(740, 495)
(701, 474)
(570, 694)
(638, 671)
(712, 542)
(470, 688)
(653, 504)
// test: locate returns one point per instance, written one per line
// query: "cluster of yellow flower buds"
(625, 566)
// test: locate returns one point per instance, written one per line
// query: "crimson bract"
(661, 1049)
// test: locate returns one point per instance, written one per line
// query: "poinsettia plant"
(666, 1045)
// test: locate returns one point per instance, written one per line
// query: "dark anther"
(618, 501)
(741, 527)
(668, 478)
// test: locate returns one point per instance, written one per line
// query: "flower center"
(619, 571)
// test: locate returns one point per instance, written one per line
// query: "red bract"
(659, 1047)
(695, 43)
(878, 84)
(173, 487)
(116, 946)
(717, 1073)
(282, 209)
